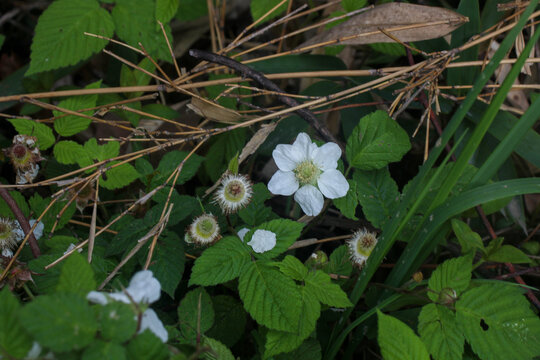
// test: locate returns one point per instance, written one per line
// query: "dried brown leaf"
(214, 112)
(407, 22)
(256, 140)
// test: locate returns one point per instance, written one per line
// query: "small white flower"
(151, 322)
(361, 245)
(262, 241)
(308, 172)
(234, 193)
(143, 288)
(10, 234)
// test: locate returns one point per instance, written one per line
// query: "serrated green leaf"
(5, 210)
(220, 350)
(261, 7)
(39, 204)
(468, 239)
(293, 268)
(183, 205)
(42, 132)
(146, 346)
(196, 304)
(308, 350)
(440, 333)
(220, 263)
(376, 141)
(170, 161)
(101, 350)
(191, 10)
(59, 39)
(133, 25)
(77, 276)
(278, 342)
(168, 262)
(347, 204)
(287, 231)
(452, 274)
(339, 262)
(166, 9)
(271, 298)
(119, 176)
(135, 77)
(320, 285)
(224, 146)
(510, 254)
(69, 152)
(70, 124)
(498, 322)
(378, 194)
(102, 152)
(61, 322)
(398, 341)
(117, 321)
(230, 320)
(351, 5)
(14, 341)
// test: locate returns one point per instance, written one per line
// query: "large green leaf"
(61, 322)
(282, 341)
(440, 332)
(117, 321)
(287, 231)
(230, 320)
(378, 194)
(453, 274)
(70, 124)
(261, 7)
(222, 352)
(69, 152)
(398, 341)
(168, 262)
(376, 141)
(118, 176)
(147, 346)
(101, 350)
(14, 341)
(347, 204)
(320, 285)
(220, 263)
(59, 39)
(77, 276)
(170, 161)
(293, 268)
(270, 297)
(166, 9)
(42, 132)
(195, 313)
(498, 322)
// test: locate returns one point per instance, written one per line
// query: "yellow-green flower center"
(5, 231)
(234, 191)
(206, 227)
(307, 173)
(365, 245)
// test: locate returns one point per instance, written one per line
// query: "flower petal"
(326, 156)
(262, 241)
(303, 145)
(333, 184)
(151, 322)
(283, 183)
(287, 156)
(310, 199)
(242, 232)
(97, 297)
(143, 287)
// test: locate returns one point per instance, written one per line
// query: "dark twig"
(247, 72)
(22, 221)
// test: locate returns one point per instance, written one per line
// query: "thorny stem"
(22, 221)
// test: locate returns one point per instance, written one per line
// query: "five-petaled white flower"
(309, 172)
(261, 240)
(143, 288)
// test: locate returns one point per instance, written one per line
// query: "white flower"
(361, 245)
(308, 172)
(10, 234)
(151, 322)
(143, 289)
(262, 241)
(234, 193)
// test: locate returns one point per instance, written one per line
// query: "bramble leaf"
(440, 332)
(69, 125)
(452, 274)
(14, 341)
(77, 276)
(320, 285)
(42, 132)
(398, 341)
(195, 312)
(287, 231)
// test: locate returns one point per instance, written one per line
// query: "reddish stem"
(22, 221)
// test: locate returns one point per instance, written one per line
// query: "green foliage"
(76, 277)
(147, 346)
(218, 349)
(60, 39)
(5, 210)
(117, 322)
(468, 239)
(287, 231)
(440, 332)
(319, 285)
(191, 10)
(195, 314)
(453, 274)
(38, 206)
(398, 341)
(220, 263)
(351, 5)
(376, 141)
(271, 298)
(101, 350)
(65, 314)
(230, 320)
(42, 132)
(166, 9)
(378, 194)
(69, 125)
(347, 204)
(168, 262)
(14, 341)
(260, 7)
(119, 176)
(498, 323)
(170, 161)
